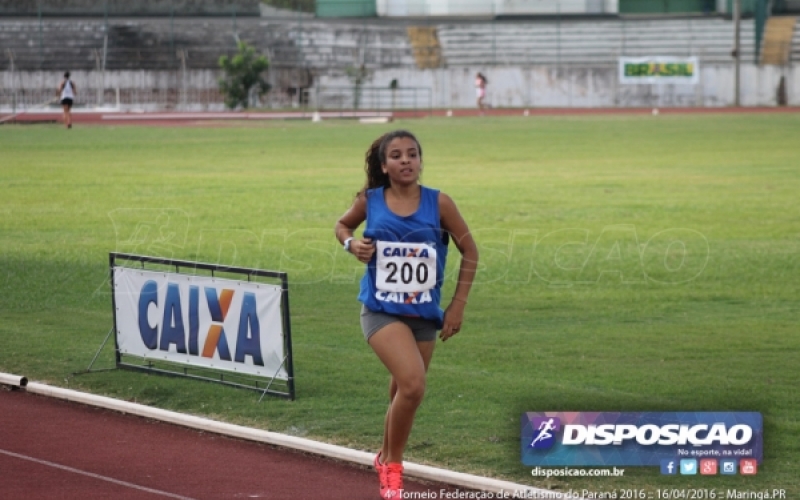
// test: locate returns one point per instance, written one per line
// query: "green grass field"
(628, 263)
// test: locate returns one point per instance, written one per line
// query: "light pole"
(13, 84)
(737, 20)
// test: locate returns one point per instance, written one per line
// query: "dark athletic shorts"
(67, 102)
(424, 330)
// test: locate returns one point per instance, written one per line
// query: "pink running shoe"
(381, 468)
(394, 482)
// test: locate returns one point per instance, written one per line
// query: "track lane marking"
(93, 475)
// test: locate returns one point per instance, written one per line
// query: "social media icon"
(748, 467)
(689, 466)
(669, 467)
(708, 466)
(727, 467)
(544, 432)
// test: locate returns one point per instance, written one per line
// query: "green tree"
(242, 73)
(357, 75)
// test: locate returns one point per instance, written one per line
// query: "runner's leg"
(426, 350)
(398, 351)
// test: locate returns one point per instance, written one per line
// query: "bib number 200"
(407, 273)
(405, 267)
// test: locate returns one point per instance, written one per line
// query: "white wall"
(403, 8)
(551, 86)
(520, 87)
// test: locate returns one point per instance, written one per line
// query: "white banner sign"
(658, 70)
(201, 321)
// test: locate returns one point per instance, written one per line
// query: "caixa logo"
(174, 331)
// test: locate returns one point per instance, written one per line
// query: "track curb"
(364, 458)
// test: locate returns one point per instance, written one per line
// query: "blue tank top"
(423, 226)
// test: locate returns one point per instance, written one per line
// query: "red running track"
(205, 119)
(53, 449)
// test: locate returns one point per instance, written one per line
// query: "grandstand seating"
(427, 50)
(335, 45)
(794, 54)
(50, 45)
(155, 44)
(163, 43)
(776, 46)
(592, 42)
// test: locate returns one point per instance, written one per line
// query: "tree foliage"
(243, 72)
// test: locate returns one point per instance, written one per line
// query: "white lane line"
(96, 476)
(417, 471)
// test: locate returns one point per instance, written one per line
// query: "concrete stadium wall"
(519, 87)
(404, 8)
(147, 90)
(551, 86)
(152, 43)
(129, 90)
(130, 7)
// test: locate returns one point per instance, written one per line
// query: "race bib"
(405, 267)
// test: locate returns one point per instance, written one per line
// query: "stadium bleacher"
(153, 43)
(587, 42)
(303, 50)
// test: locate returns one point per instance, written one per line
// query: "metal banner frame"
(272, 386)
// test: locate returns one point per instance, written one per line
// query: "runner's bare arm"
(454, 224)
(348, 223)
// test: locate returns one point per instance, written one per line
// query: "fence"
(138, 99)
(521, 87)
(372, 98)
(171, 43)
(177, 96)
(172, 63)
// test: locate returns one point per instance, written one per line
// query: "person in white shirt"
(480, 90)
(66, 94)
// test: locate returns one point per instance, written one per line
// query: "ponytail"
(373, 162)
(376, 157)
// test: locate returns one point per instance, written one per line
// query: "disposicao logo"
(545, 429)
(643, 438)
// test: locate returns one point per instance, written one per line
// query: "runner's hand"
(453, 317)
(362, 249)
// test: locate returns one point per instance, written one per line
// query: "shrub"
(243, 72)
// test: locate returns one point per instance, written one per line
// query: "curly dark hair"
(376, 157)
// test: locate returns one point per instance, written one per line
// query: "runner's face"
(403, 162)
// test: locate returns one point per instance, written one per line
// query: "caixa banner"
(201, 321)
(645, 438)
